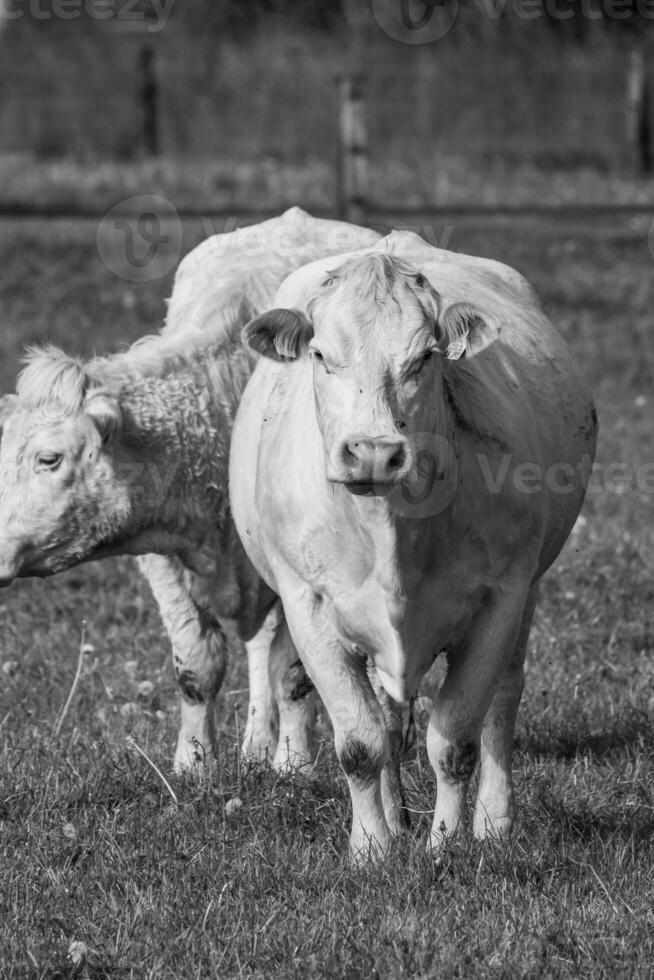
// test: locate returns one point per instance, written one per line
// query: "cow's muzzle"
(369, 465)
(11, 560)
(8, 572)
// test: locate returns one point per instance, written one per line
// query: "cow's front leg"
(295, 698)
(199, 658)
(474, 671)
(494, 807)
(360, 735)
(397, 816)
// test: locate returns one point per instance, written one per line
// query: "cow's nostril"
(350, 453)
(374, 460)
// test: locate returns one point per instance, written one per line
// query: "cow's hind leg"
(199, 657)
(260, 730)
(462, 702)
(494, 807)
(295, 698)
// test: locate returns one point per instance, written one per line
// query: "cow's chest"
(411, 592)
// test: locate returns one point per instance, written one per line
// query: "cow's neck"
(172, 457)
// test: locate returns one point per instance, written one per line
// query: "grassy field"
(103, 874)
(265, 182)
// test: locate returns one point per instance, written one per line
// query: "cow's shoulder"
(316, 237)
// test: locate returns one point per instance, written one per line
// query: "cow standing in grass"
(407, 461)
(128, 454)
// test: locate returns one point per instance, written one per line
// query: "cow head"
(58, 494)
(7, 406)
(378, 335)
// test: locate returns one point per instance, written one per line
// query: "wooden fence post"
(639, 137)
(149, 98)
(352, 165)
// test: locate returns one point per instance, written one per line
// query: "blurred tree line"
(513, 81)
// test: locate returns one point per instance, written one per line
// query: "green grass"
(92, 847)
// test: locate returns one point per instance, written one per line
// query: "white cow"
(128, 454)
(407, 461)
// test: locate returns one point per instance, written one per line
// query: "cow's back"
(248, 265)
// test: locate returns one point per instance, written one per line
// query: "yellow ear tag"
(456, 349)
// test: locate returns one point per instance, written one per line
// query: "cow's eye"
(424, 359)
(48, 461)
(413, 369)
(318, 357)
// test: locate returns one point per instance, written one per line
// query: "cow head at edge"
(59, 488)
(7, 405)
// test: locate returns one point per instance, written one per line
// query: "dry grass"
(94, 851)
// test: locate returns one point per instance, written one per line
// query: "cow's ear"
(7, 405)
(454, 328)
(279, 334)
(105, 414)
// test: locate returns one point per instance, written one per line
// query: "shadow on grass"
(609, 821)
(86, 970)
(632, 731)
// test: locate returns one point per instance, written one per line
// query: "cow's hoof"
(366, 851)
(258, 747)
(440, 836)
(398, 820)
(289, 759)
(485, 827)
(191, 758)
